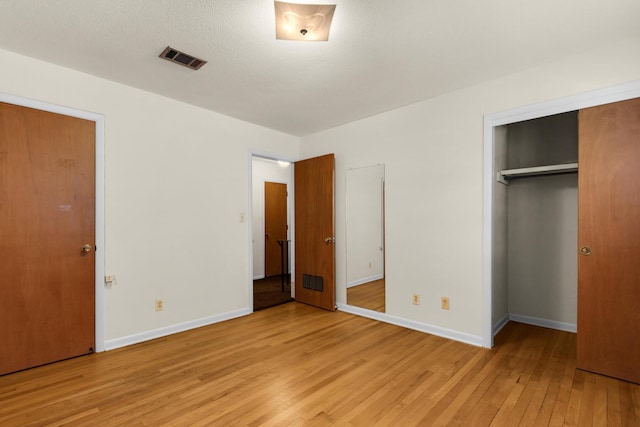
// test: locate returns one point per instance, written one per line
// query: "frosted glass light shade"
(303, 22)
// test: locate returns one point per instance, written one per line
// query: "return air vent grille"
(174, 55)
(314, 283)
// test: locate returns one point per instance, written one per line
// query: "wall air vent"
(174, 55)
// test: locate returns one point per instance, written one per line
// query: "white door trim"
(100, 218)
(562, 105)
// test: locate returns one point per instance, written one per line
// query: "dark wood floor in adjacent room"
(295, 365)
(271, 291)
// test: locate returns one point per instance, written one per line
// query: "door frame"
(593, 98)
(249, 216)
(98, 119)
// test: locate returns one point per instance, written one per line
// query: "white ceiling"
(380, 55)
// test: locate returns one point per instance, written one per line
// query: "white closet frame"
(491, 121)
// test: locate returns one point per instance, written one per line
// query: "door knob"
(330, 240)
(86, 248)
(585, 250)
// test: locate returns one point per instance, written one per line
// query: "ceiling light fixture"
(303, 22)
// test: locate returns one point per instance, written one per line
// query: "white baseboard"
(501, 324)
(258, 277)
(545, 323)
(173, 329)
(365, 280)
(411, 324)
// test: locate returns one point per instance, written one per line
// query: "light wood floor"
(297, 365)
(368, 295)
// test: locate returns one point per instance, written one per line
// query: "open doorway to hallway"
(271, 237)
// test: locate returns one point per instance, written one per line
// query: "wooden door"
(314, 236)
(609, 228)
(47, 210)
(275, 228)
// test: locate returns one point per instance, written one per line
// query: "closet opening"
(535, 222)
(529, 270)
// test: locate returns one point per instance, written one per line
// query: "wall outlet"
(415, 299)
(243, 218)
(444, 303)
(159, 304)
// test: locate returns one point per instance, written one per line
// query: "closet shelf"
(504, 176)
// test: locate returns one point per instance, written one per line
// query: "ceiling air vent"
(174, 55)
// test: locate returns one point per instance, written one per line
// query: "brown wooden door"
(275, 228)
(609, 225)
(314, 236)
(47, 210)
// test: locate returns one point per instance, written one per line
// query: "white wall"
(433, 156)
(265, 170)
(177, 179)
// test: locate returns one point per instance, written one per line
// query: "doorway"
(271, 240)
(312, 248)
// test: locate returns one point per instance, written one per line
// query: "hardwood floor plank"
(543, 384)
(556, 369)
(575, 399)
(561, 405)
(520, 369)
(601, 409)
(629, 403)
(587, 402)
(271, 369)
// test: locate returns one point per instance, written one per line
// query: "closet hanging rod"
(504, 176)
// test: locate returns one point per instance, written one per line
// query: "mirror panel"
(365, 237)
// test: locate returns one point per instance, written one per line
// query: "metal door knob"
(330, 240)
(86, 248)
(585, 250)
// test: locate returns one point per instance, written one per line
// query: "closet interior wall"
(536, 224)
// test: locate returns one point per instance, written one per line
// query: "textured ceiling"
(380, 55)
